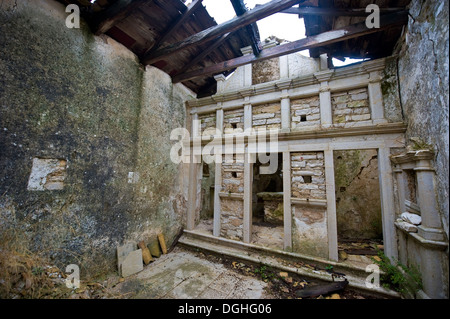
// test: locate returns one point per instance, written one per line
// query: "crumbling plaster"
(423, 70)
(67, 94)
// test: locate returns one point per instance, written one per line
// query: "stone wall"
(358, 204)
(305, 112)
(265, 71)
(309, 230)
(70, 96)
(308, 175)
(423, 70)
(232, 120)
(207, 124)
(350, 106)
(266, 116)
(233, 174)
(232, 218)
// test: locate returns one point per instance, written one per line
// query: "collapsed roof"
(186, 42)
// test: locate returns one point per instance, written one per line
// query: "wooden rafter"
(333, 12)
(176, 24)
(115, 13)
(251, 29)
(206, 52)
(214, 32)
(325, 38)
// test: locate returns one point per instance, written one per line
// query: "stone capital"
(323, 76)
(246, 92)
(219, 77)
(247, 50)
(284, 85)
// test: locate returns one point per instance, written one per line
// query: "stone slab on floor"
(182, 275)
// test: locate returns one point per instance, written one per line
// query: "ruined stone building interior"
(360, 153)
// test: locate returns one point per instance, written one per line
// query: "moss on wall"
(358, 205)
(423, 70)
(67, 94)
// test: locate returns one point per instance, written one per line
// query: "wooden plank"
(325, 38)
(176, 24)
(115, 13)
(251, 29)
(236, 23)
(205, 53)
(334, 12)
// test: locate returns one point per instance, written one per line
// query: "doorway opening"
(358, 205)
(267, 206)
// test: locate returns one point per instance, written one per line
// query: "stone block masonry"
(232, 120)
(308, 175)
(267, 116)
(231, 218)
(207, 124)
(305, 112)
(350, 106)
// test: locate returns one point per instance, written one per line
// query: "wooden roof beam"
(106, 19)
(251, 29)
(206, 52)
(325, 38)
(175, 25)
(234, 24)
(333, 12)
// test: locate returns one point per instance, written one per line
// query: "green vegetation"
(264, 272)
(403, 279)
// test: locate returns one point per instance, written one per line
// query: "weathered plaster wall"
(66, 94)
(309, 227)
(265, 71)
(309, 230)
(358, 205)
(423, 68)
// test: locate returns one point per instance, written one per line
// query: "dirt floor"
(182, 273)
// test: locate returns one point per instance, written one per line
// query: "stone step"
(310, 267)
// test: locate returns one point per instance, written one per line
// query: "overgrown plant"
(264, 272)
(403, 279)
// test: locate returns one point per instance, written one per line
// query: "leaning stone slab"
(132, 264)
(123, 251)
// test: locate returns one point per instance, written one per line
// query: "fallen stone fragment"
(132, 264)
(123, 251)
(162, 243)
(407, 226)
(153, 246)
(146, 255)
(411, 218)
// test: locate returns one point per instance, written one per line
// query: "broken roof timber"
(211, 33)
(176, 24)
(117, 12)
(251, 29)
(348, 32)
(334, 12)
(205, 53)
